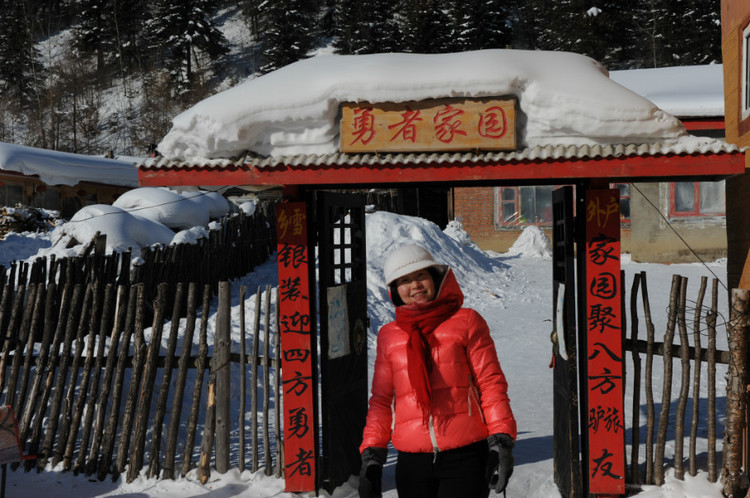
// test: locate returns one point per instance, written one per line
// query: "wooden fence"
(92, 390)
(676, 345)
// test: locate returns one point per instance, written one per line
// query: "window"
(624, 189)
(697, 199)
(48, 198)
(525, 205)
(533, 205)
(745, 83)
(10, 194)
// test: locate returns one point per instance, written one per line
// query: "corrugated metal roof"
(539, 153)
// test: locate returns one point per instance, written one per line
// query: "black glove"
(371, 473)
(499, 461)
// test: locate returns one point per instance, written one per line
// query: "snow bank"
(140, 218)
(533, 243)
(563, 98)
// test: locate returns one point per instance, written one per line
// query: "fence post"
(736, 382)
(221, 366)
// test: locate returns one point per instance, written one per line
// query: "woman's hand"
(499, 461)
(372, 472)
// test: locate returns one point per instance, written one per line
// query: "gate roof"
(573, 122)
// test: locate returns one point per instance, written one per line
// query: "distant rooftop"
(684, 92)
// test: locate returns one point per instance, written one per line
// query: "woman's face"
(416, 287)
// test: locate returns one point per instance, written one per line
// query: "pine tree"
(650, 22)
(478, 24)
(425, 25)
(92, 31)
(366, 29)
(288, 32)
(18, 56)
(698, 33)
(179, 28)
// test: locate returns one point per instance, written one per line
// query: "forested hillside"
(91, 76)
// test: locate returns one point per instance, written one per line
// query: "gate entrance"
(342, 287)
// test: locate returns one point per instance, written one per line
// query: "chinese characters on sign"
(606, 438)
(296, 347)
(445, 124)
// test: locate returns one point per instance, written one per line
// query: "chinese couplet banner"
(606, 438)
(297, 341)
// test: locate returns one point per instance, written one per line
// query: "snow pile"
(563, 98)
(139, 218)
(173, 209)
(477, 273)
(532, 243)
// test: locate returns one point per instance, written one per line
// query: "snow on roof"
(685, 91)
(65, 168)
(563, 99)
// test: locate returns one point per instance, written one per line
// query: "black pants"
(454, 473)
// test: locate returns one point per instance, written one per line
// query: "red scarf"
(419, 320)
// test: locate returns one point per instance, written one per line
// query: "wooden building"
(61, 181)
(735, 47)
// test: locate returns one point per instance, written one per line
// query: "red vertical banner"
(297, 341)
(606, 431)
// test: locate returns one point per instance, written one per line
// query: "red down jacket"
(469, 391)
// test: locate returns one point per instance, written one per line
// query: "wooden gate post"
(736, 394)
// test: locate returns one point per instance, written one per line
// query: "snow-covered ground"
(511, 290)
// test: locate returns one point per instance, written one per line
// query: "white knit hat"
(407, 259)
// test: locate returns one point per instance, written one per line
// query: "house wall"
(735, 16)
(67, 199)
(653, 240)
(647, 238)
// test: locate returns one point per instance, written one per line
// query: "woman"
(438, 392)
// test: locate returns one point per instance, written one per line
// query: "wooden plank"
(71, 328)
(204, 468)
(243, 380)
(221, 372)
(635, 425)
(266, 383)
(200, 367)
(139, 358)
(179, 386)
(696, 377)
(254, 383)
(277, 391)
(107, 313)
(666, 395)
(166, 380)
(110, 429)
(84, 392)
(50, 307)
(147, 385)
(679, 438)
(66, 303)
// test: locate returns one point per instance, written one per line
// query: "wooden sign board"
(297, 341)
(429, 125)
(606, 427)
